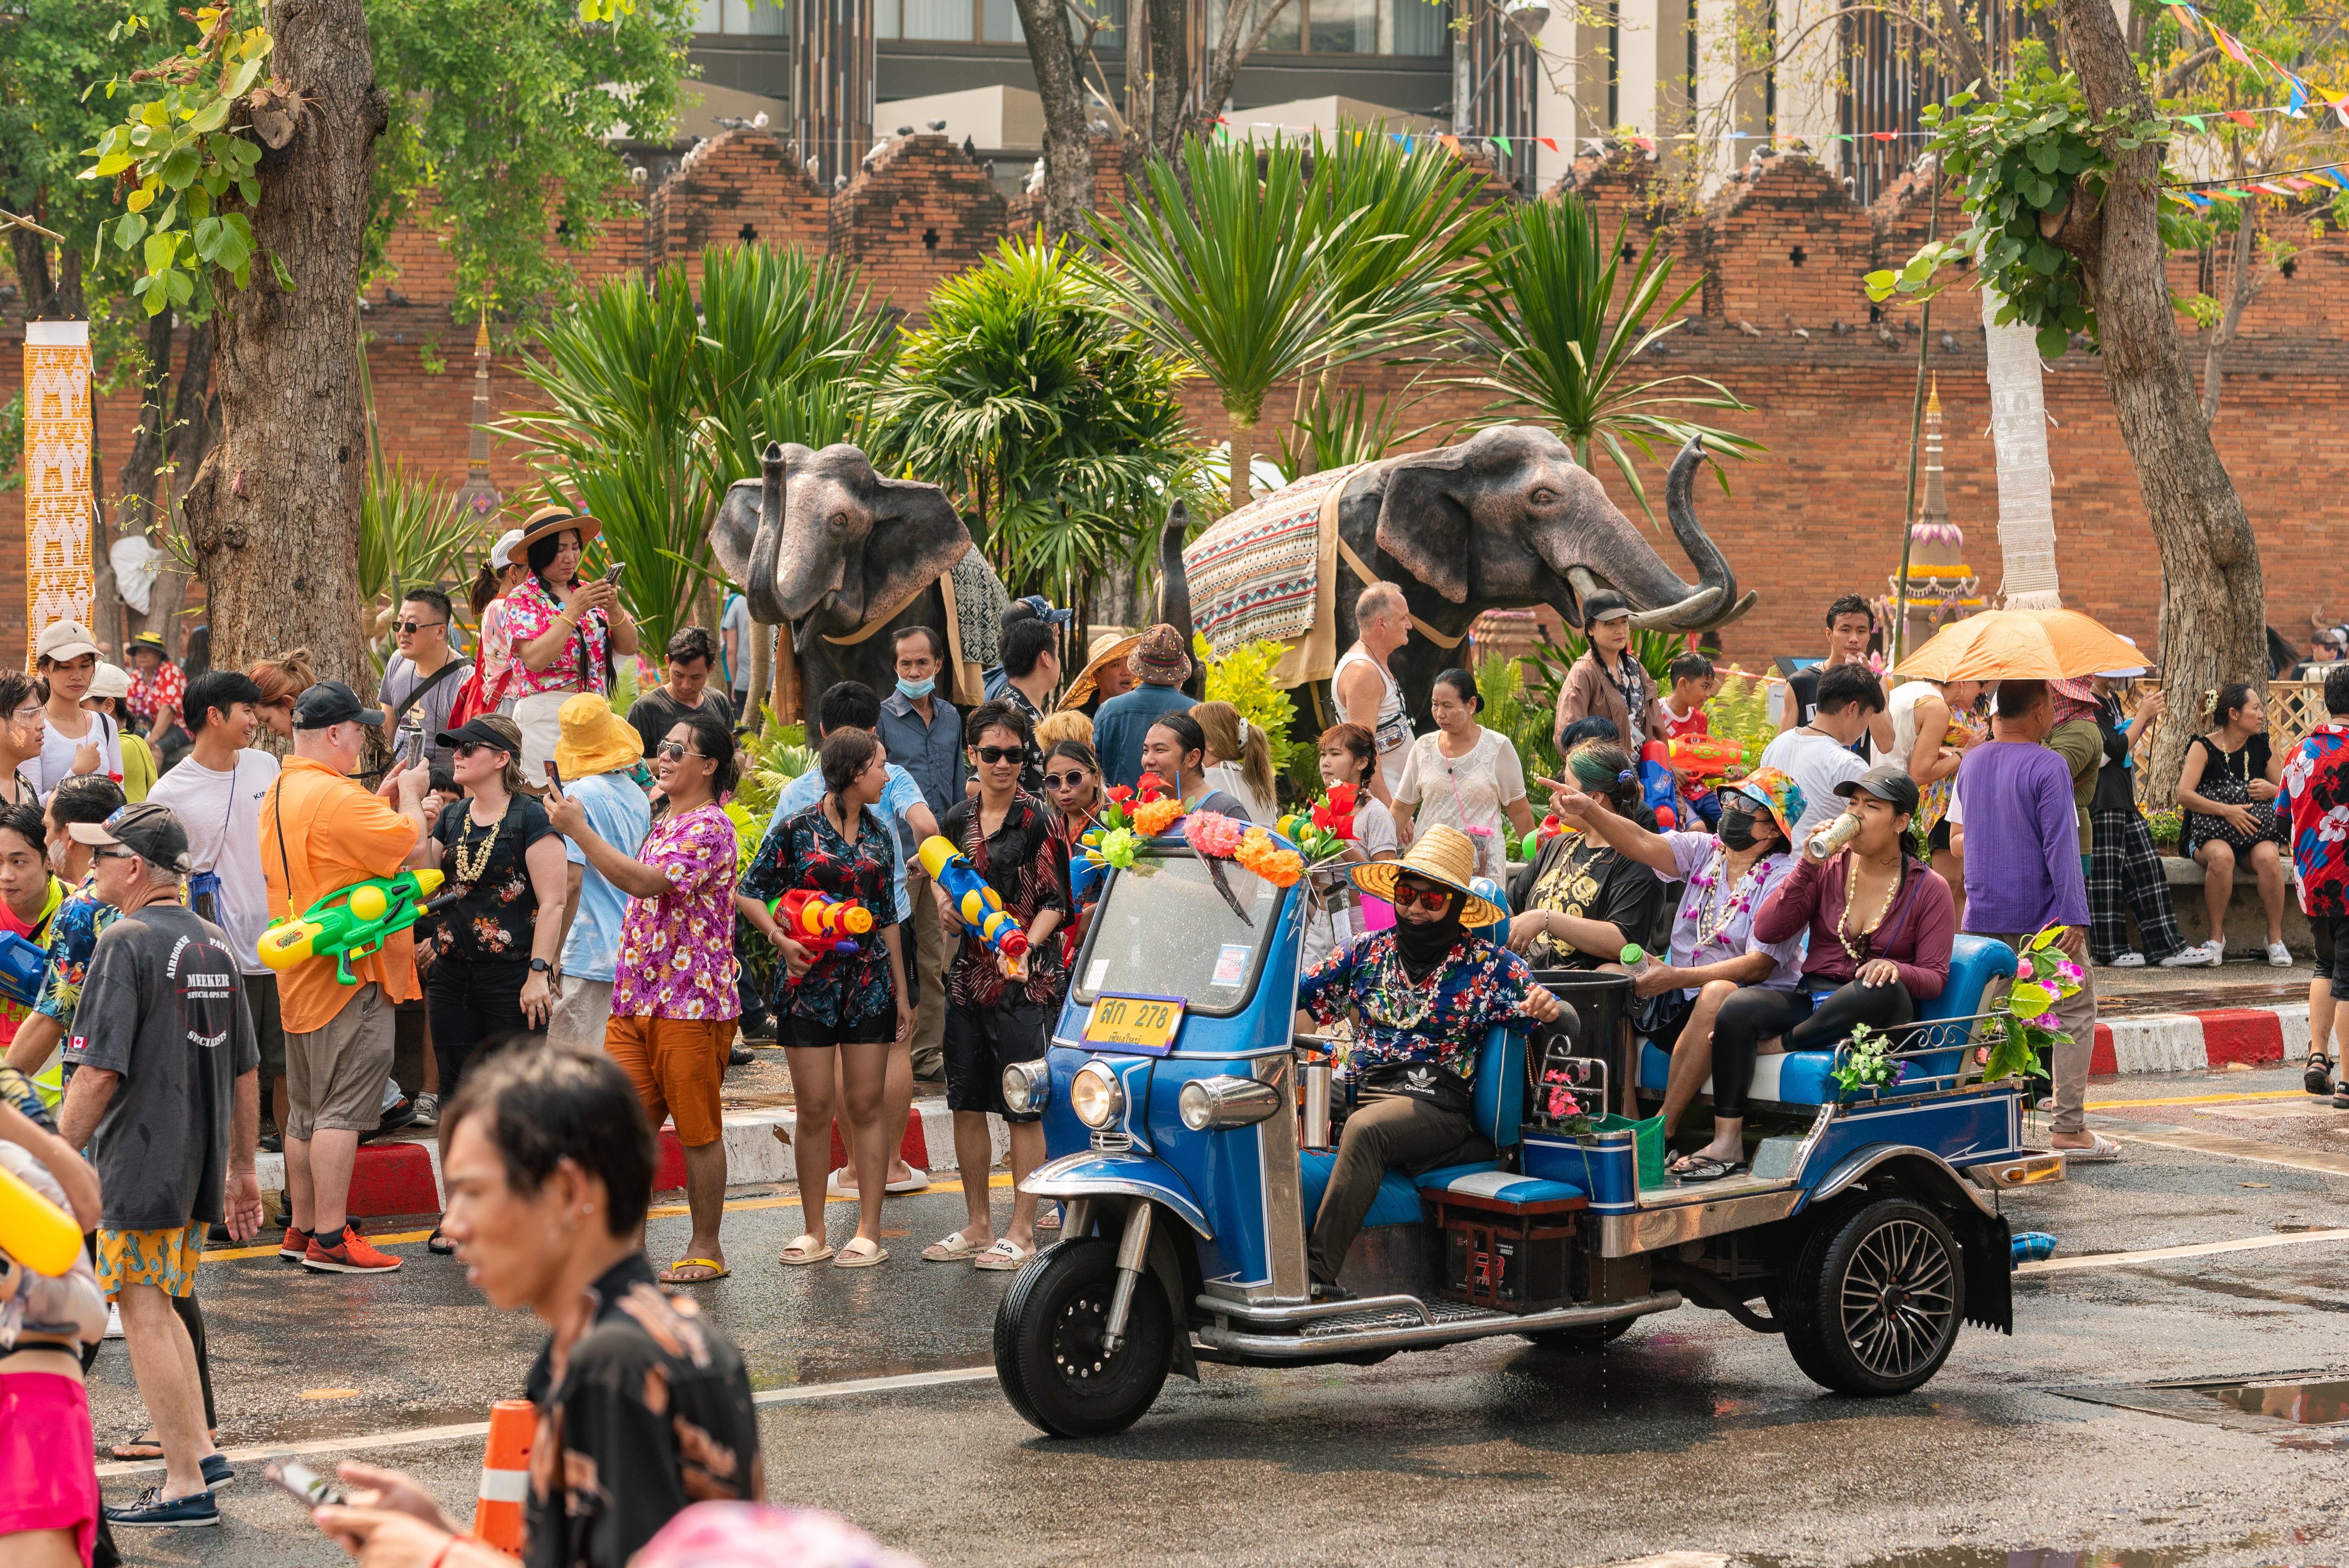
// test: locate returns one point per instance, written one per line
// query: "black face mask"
(1423, 945)
(1737, 830)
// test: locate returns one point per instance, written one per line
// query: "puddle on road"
(2279, 1404)
(2301, 1404)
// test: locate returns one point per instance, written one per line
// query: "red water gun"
(1704, 756)
(822, 925)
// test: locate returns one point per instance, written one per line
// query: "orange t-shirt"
(335, 833)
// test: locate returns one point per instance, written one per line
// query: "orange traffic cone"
(505, 1475)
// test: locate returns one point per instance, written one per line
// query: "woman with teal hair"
(1583, 901)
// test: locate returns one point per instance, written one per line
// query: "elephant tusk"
(1752, 597)
(1677, 617)
(1585, 584)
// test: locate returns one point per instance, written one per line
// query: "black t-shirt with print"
(1579, 876)
(494, 916)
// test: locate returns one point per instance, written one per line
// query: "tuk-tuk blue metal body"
(1868, 1226)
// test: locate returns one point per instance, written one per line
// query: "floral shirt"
(157, 690)
(804, 851)
(1442, 1021)
(677, 950)
(496, 913)
(1716, 924)
(74, 932)
(1024, 862)
(529, 612)
(2316, 793)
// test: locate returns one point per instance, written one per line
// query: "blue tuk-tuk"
(1187, 1126)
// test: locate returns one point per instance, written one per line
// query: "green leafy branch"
(178, 148)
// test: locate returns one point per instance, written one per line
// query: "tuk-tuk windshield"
(1165, 930)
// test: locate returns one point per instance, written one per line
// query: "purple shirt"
(2023, 840)
(1727, 912)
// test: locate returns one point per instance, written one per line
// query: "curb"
(404, 1177)
(2197, 1042)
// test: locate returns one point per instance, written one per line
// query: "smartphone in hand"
(304, 1485)
(613, 573)
(553, 779)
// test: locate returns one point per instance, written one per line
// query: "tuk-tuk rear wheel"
(1873, 1302)
(1047, 1350)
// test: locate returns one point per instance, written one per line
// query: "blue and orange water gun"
(822, 925)
(982, 911)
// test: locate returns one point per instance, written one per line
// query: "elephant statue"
(843, 557)
(1505, 520)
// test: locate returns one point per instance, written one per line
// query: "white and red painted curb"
(404, 1177)
(2197, 1042)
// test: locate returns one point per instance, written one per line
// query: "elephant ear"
(1422, 524)
(734, 530)
(917, 536)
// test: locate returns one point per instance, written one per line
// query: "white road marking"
(406, 1436)
(2199, 1249)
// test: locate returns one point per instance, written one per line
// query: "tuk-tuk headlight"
(1096, 1096)
(1027, 1086)
(1218, 1102)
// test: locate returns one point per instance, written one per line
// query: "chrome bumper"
(1450, 1328)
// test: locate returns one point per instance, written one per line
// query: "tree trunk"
(1170, 81)
(31, 255)
(141, 475)
(1243, 30)
(274, 512)
(1068, 143)
(1243, 459)
(2213, 624)
(194, 427)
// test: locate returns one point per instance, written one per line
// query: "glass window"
(946, 20)
(1345, 27)
(885, 18)
(1109, 39)
(708, 16)
(1286, 31)
(1165, 930)
(1413, 27)
(740, 18)
(1003, 23)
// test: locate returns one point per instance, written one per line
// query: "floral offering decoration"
(1258, 853)
(1212, 834)
(1562, 1107)
(1118, 835)
(1323, 833)
(1866, 1062)
(2044, 975)
(1154, 807)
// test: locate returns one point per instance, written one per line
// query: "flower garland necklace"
(1395, 993)
(1843, 925)
(1706, 934)
(469, 867)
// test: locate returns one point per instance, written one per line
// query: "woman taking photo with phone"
(563, 631)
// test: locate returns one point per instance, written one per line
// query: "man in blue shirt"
(1162, 664)
(923, 731)
(850, 705)
(594, 755)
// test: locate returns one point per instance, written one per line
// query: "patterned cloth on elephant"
(1255, 575)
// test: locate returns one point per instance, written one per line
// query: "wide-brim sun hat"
(1442, 855)
(1105, 653)
(552, 519)
(594, 739)
(1775, 791)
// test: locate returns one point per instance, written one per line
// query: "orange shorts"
(676, 1065)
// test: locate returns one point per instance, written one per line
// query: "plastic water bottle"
(1636, 959)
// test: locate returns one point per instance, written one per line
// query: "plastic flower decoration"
(1258, 853)
(1212, 834)
(1560, 1104)
(1152, 817)
(1117, 808)
(1322, 831)
(1116, 848)
(1866, 1063)
(2044, 975)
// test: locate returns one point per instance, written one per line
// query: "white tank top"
(1902, 708)
(1391, 737)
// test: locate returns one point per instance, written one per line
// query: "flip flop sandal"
(1003, 1256)
(804, 1256)
(861, 1254)
(955, 1248)
(668, 1275)
(1048, 1217)
(1705, 1168)
(2102, 1152)
(147, 1447)
(439, 1244)
(915, 1181)
(2318, 1078)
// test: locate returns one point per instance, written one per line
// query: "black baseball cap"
(1887, 783)
(147, 829)
(475, 732)
(329, 703)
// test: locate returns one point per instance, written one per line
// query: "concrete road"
(1692, 1434)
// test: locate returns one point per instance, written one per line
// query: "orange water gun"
(1705, 755)
(820, 924)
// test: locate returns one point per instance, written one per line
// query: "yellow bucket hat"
(595, 739)
(1440, 855)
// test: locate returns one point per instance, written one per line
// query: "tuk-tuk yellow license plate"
(1144, 1023)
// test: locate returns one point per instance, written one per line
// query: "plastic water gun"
(354, 922)
(34, 1230)
(1705, 755)
(1656, 783)
(983, 915)
(1085, 872)
(822, 925)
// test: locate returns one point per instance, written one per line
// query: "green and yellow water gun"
(354, 922)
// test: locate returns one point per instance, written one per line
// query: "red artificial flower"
(1153, 788)
(1119, 793)
(1342, 799)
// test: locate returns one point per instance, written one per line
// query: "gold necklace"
(1844, 925)
(469, 867)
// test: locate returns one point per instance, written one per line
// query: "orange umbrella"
(2019, 645)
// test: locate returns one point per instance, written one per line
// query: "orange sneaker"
(356, 1256)
(295, 1247)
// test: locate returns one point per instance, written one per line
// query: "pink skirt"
(48, 1471)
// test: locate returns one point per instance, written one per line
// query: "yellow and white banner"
(57, 502)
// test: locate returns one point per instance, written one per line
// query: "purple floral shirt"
(1715, 924)
(677, 950)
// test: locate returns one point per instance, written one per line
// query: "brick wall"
(1819, 514)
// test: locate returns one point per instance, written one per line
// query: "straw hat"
(552, 519)
(594, 739)
(1108, 647)
(1442, 854)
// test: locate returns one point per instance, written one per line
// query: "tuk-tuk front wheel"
(1048, 1343)
(1872, 1305)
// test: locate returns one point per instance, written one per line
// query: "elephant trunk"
(766, 608)
(1715, 596)
(1659, 597)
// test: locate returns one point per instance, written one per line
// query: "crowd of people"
(604, 942)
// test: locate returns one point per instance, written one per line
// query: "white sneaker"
(2217, 950)
(2190, 958)
(113, 1321)
(2127, 961)
(2279, 955)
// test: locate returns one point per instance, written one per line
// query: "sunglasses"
(1408, 896)
(412, 627)
(1065, 780)
(113, 855)
(673, 751)
(467, 748)
(1001, 753)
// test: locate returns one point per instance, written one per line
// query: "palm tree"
(1235, 277)
(1557, 343)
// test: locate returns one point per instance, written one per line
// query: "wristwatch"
(540, 966)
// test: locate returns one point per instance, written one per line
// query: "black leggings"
(469, 1001)
(1808, 1020)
